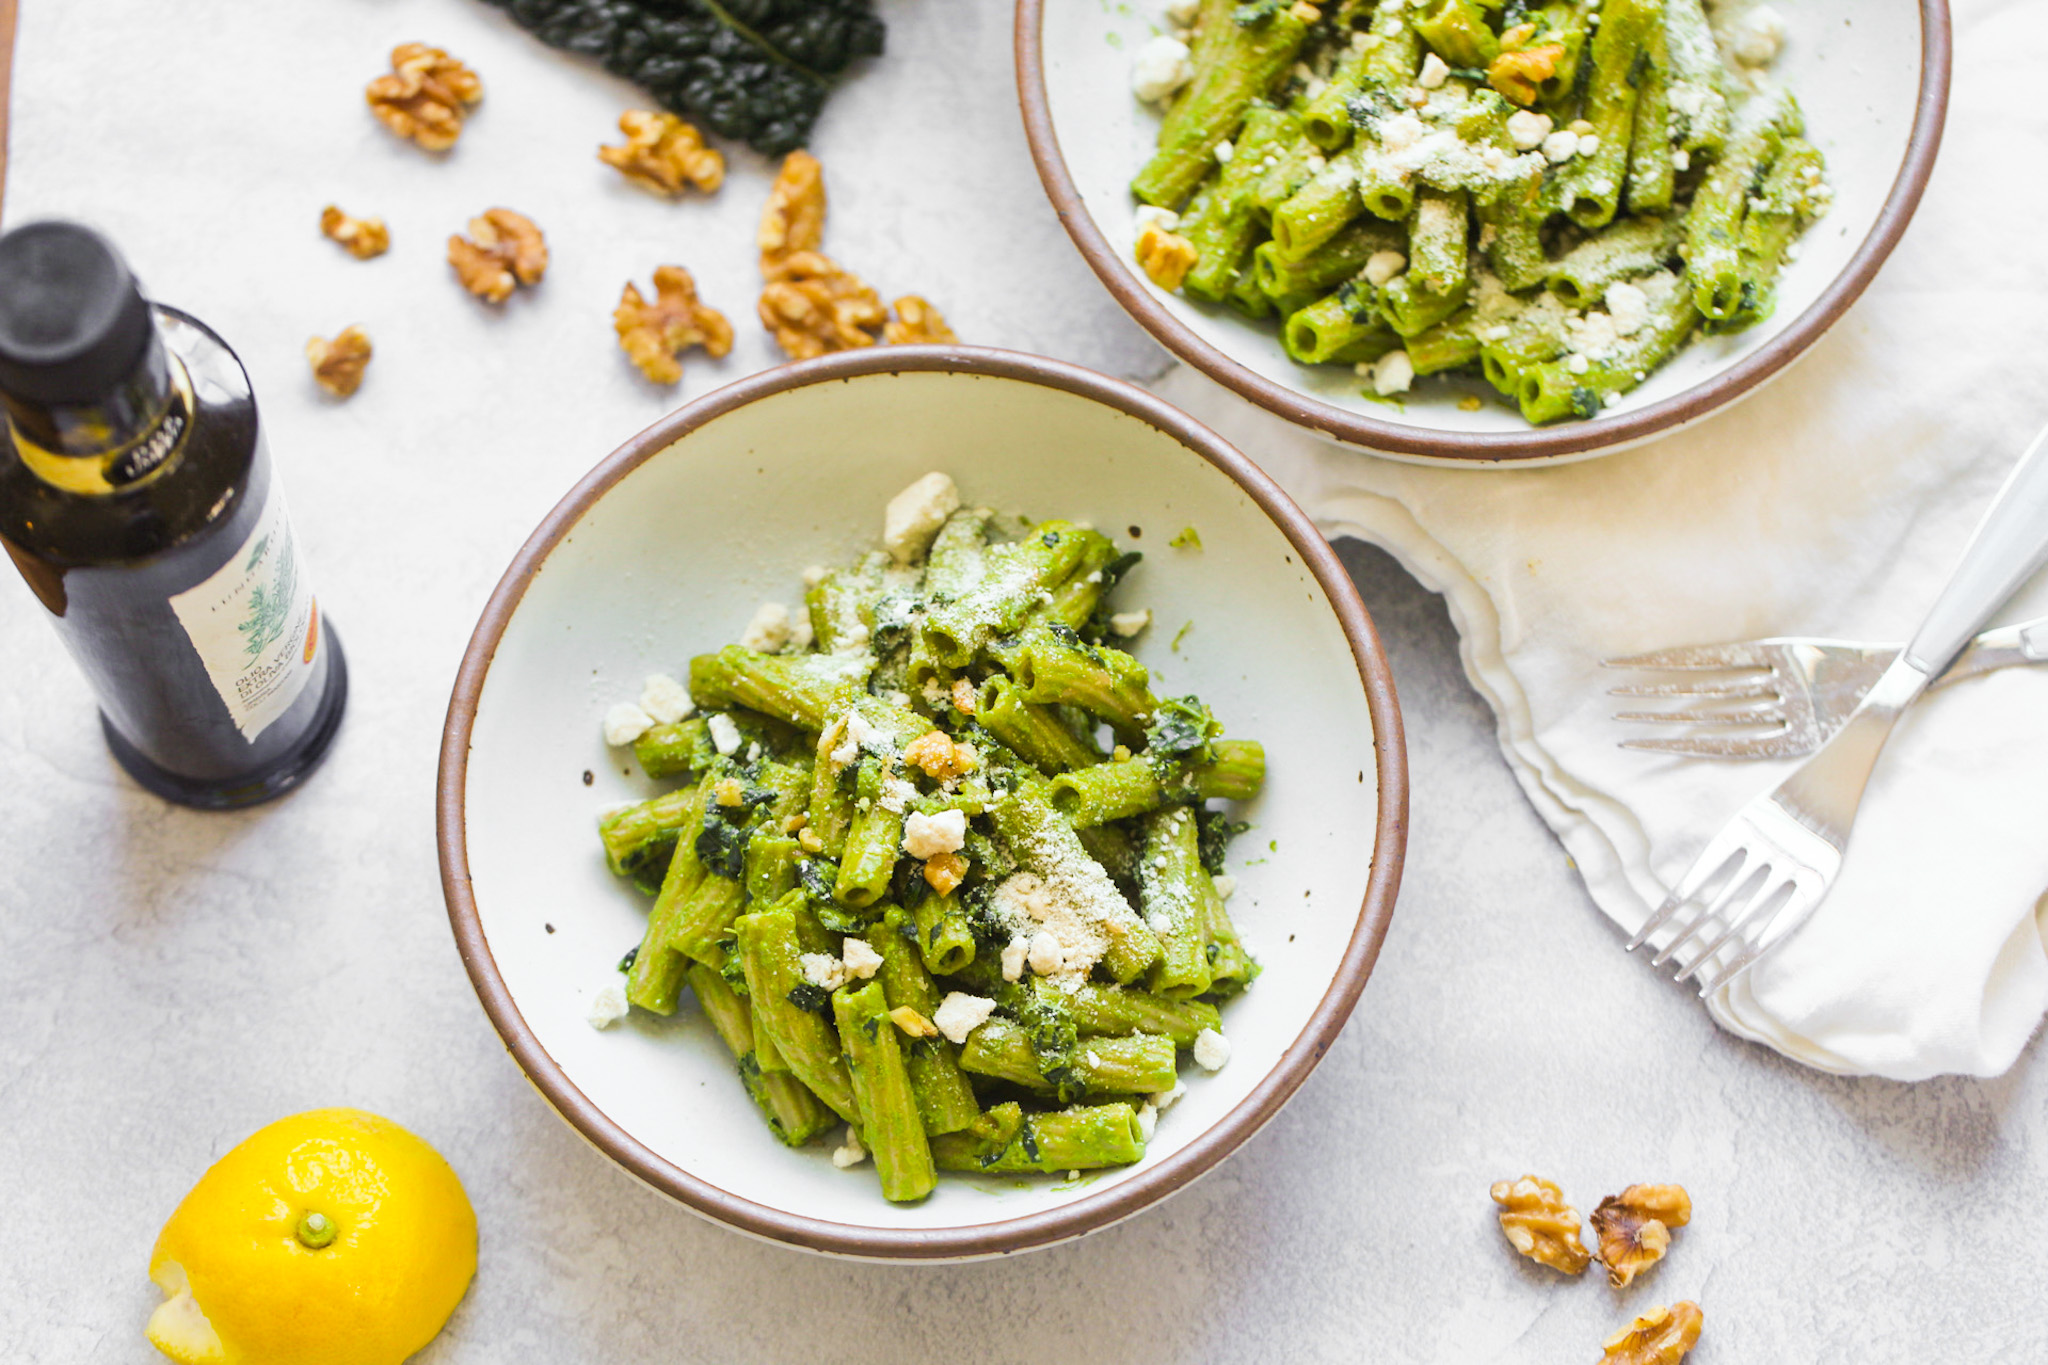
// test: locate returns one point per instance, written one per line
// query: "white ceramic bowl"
(1871, 75)
(664, 550)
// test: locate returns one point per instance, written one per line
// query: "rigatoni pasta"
(942, 866)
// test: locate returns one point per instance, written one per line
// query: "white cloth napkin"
(1833, 503)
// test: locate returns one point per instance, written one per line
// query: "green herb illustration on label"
(270, 605)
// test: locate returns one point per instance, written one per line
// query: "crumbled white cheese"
(800, 635)
(1528, 129)
(915, 515)
(1401, 132)
(1561, 146)
(1148, 1120)
(1166, 1099)
(664, 699)
(725, 736)
(1580, 126)
(860, 957)
(960, 1014)
(928, 836)
(1578, 364)
(1045, 954)
(1226, 885)
(1159, 922)
(1593, 335)
(1151, 215)
(1161, 67)
(849, 1153)
(1392, 373)
(1435, 71)
(608, 1006)
(1129, 623)
(1014, 953)
(1681, 159)
(1589, 143)
(1183, 12)
(816, 574)
(768, 632)
(624, 723)
(1225, 150)
(896, 794)
(823, 970)
(1382, 266)
(1757, 36)
(1212, 1050)
(1094, 1057)
(1629, 306)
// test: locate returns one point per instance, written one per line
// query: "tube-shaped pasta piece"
(1450, 344)
(629, 832)
(1562, 22)
(1385, 189)
(679, 749)
(1651, 176)
(1169, 870)
(1120, 1010)
(1043, 841)
(1319, 210)
(1234, 65)
(1699, 107)
(793, 1113)
(1008, 1141)
(1036, 733)
(1554, 389)
(1141, 1063)
(1713, 226)
(805, 1040)
(1412, 307)
(958, 554)
(1784, 200)
(1534, 335)
(945, 936)
(1436, 242)
(1340, 259)
(842, 605)
(890, 1124)
(1003, 598)
(1638, 246)
(1514, 219)
(1336, 328)
(796, 688)
(1458, 32)
(944, 1099)
(1231, 968)
(1387, 59)
(1056, 669)
(656, 976)
(1236, 770)
(1591, 186)
(770, 869)
(873, 844)
(1104, 792)
(1282, 173)
(1074, 601)
(1222, 220)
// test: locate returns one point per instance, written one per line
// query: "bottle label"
(255, 624)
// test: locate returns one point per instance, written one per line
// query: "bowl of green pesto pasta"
(1485, 231)
(922, 804)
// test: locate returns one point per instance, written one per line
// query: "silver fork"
(1758, 880)
(1794, 691)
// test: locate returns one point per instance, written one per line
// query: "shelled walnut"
(794, 219)
(362, 238)
(425, 96)
(338, 364)
(1166, 257)
(944, 872)
(1661, 1336)
(655, 334)
(1633, 1228)
(916, 322)
(503, 251)
(813, 306)
(664, 154)
(1539, 1224)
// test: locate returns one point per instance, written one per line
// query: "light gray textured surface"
(170, 981)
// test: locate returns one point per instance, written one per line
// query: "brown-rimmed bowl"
(665, 549)
(1871, 75)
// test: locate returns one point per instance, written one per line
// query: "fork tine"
(1766, 895)
(1728, 689)
(1712, 859)
(1716, 746)
(1742, 655)
(1748, 872)
(1740, 715)
(1803, 902)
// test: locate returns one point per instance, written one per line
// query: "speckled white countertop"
(170, 981)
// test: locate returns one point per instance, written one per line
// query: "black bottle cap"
(73, 324)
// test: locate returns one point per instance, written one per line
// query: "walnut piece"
(916, 322)
(655, 334)
(1520, 75)
(1540, 1224)
(664, 154)
(363, 237)
(1167, 257)
(794, 220)
(1659, 1337)
(503, 251)
(944, 872)
(1633, 1228)
(940, 755)
(812, 305)
(425, 96)
(338, 364)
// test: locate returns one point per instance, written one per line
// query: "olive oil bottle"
(138, 501)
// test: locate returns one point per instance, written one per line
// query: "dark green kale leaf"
(1181, 731)
(1213, 832)
(807, 995)
(752, 70)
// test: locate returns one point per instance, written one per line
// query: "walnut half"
(916, 322)
(503, 251)
(1539, 1224)
(1633, 1228)
(813, 306)
(338, 364)
(794, 219)
(425, 96)
(664, 154)
(655, 334)
(362, 238)
(1661, 1336)
(1167, 257)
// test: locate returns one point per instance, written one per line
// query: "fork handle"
(2003, 647)
(2007, 547)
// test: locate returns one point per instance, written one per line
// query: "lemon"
(332, 1237)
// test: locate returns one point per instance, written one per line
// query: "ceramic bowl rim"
(1537, 445)
(969, 1241)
